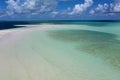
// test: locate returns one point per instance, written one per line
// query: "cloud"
(116, 7)
(30, 6)
(101, 8)
(54, 12)
(3, 13)
(48, 7)
(64, 0)
(105, 8)
(79, 8)
(13, 6)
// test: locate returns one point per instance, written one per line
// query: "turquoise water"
(100, 44)
(72, 51)
(79, 50)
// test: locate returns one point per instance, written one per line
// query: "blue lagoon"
(60, 51)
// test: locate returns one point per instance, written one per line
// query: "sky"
(59, 9)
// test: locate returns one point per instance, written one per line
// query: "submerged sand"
(52, 52)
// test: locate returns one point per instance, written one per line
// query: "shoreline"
(28, 53)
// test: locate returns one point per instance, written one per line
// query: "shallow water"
(100, 44)
(67, 52)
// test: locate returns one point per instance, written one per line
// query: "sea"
(73, 50)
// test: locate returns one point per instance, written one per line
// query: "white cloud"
(54, 12)
(116, 7)
(79, 8)
(109, 9)
(13, 6)
(30, 6)
(35, 7)
(92, 11)
(64, 0)
(101, 8)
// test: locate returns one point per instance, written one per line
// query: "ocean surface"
(60, 50)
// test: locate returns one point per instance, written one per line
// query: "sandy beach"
(33, 53)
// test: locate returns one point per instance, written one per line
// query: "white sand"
(29, 54)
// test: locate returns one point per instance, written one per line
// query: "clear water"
(70, 52)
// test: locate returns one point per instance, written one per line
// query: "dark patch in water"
(82, 35)
(12, 24)
(100, 44)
